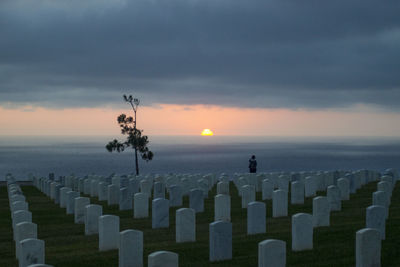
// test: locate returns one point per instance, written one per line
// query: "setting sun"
(207, 132)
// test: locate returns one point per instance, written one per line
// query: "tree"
(135, 139)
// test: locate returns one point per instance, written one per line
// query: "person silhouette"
(253, 164)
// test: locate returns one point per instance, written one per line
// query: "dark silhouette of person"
(253, 164)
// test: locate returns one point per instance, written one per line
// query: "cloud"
(274, 53)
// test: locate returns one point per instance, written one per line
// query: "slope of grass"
(66, 244)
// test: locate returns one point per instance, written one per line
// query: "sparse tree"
(134, 138)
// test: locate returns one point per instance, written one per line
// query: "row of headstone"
(66, 198)
(141, 203)
(302, 224)
(130, 245)
(368, 254)
(378, 212)
(83, 212)
(134, 193)
(271, 253)
(368, 240)
(129, 242)
(311, 181)
(110, 238)
(28, 249)
(300, 190)
(89, 214)
(157, 184)
(107, 226)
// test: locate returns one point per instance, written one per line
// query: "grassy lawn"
(66, 244)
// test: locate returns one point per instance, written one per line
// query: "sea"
(26, 156)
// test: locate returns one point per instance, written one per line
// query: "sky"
(265, 68)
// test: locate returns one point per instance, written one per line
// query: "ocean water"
(39, 156)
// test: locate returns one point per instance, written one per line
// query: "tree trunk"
(136, 159)
(136, 162)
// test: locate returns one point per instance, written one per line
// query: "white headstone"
(15, 198)
(175, 195)
(344, 187)
(19, 205)
(389, 180)
(92, 214)
(159, 190)
(297, 193)
(385, 187)
(141, 205)
(113, 194)
(241, 182)
(272, 253)
(252, 177)
(21, 216)
(57, 193)
(302, 231)
(94, 185)
(376, 219)
(321, 211)
(328, 178)
(160, 213)
(186, 186)
(125, 199)
(334, 198)
(81, 185)
(23, 231)
(320, 181)
(222, 208)
(185, 225)
(163, 259)
(256, 218)
(368, 248)
(131, 248)
(108, 232)
(32, 252)
(86, 186)
(53, 190)
(71, 195)
(134, 185)
(220, 240)
(248, 195)
(196, 200)
(279, 203)
(379, 198)
(145, 187)
(352, 181)
(103, 191)
(223, 188)
(80, 209)
(204, 186)
(310, 186)
(267, 189)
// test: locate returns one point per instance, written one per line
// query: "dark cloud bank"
(275, 53)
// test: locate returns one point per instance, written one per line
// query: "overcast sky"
(237, 53)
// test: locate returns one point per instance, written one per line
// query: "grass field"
(66, 244)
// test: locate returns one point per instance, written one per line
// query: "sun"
(207, 132)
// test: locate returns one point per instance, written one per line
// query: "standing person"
(253, 164)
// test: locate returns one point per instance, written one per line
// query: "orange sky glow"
(191, 120)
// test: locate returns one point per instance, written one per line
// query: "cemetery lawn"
(66, 244)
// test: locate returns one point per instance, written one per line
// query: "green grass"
(66, 244)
